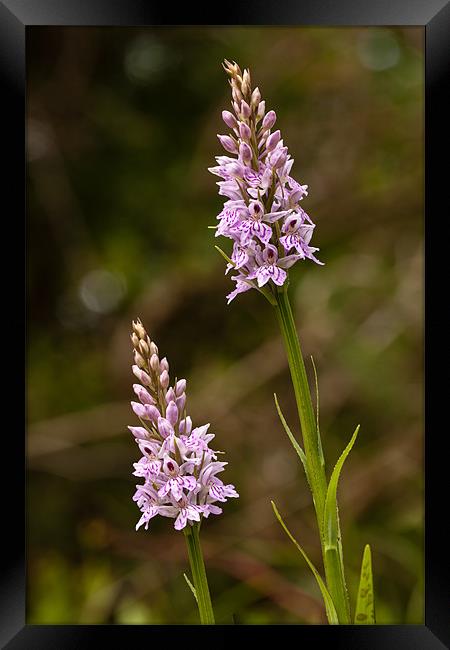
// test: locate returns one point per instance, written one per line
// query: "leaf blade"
(330, 526)
(329, 605)
(365, 601)
(319, 441)
(191, 586)
(298, 449)
(332, 539)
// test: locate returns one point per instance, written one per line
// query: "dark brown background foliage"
(121, 129)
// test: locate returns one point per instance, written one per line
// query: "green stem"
(192, 535)
(334, 570)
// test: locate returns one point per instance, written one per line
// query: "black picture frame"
(16, 16)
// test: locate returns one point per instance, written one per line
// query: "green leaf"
(225, 256)
(365, 603)
(330, 522)
(329, 605)
(319, 441)
(332, 539)
(291, 436)
(191, 586)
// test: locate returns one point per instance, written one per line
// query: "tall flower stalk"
(179, 469)
(270, 232)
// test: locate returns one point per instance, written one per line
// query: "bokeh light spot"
(378, 49)
(102, 291)
(145, 59)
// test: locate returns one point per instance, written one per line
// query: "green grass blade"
(191, 586)
(365, 603)
(298, 449)
(329, 605)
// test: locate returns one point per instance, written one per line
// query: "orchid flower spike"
(261, 197)
(178, 466)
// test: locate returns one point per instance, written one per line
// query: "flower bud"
(261, 109)
(164, 364)
(135, 340)
(181, 402)
(140, 411)
(228, 143)
(143, 347)
(186, 426)
(164, 427)
(164, 379)
(269, 120)
(245, 109)
(152, 412)
(154, 363)
(139, 359)
(142, 376)
(229, 119)
(256, 98)
(139, 432)
(245, 87)
(245, 131)
(153, 348)
(236, 94)
(278, 157)
(236, 107)
(172, 413)
(143, 395)
(170, 395)
(245, 152)
(273, 140)
(180, 387)
(139, 329)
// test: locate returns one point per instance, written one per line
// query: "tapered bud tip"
(180, 387)
(143, 395)
(245, 152)
(273, 140)
(172, 413)
(143, 347)
(229, 119)
(261, 109)
(256, 98)
(245, 109)
(154, 362)
(245, 131)
(164, 365)
(164, 379)
(134, 339)
(139, 359)
(227, 143)
(170, 395)
(153, 348)
(246, 87)
(139, 329)
(152, 412)
(269, 120)
(278, 157)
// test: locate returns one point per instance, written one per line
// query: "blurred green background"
(122, 126)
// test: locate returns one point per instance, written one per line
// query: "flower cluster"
(178, 467)
(262, 215)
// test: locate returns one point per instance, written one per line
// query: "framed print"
(232, 386)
